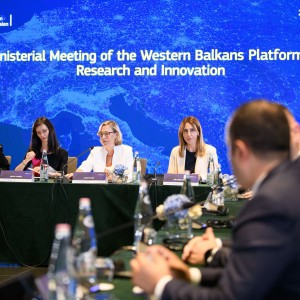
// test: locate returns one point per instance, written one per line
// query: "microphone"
(229, 180)
(187, 205)
(146, 219)
(156, 165)
(213, 207)
(76, 157)
(154, 179)
(63, 178)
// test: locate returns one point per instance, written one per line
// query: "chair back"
(143, 166)
(72, 164)
(8, 157)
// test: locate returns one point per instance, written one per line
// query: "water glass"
(104, 269)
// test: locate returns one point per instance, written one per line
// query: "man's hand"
(194, 251)
(178, 268)
(147, 269)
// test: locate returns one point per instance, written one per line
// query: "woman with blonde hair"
(193, 153)
(111, 153)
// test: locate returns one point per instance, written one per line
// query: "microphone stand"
(63, 178)
(212, 208)
(144, 222)
(154, 180)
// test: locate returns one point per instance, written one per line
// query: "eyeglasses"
(106, 133)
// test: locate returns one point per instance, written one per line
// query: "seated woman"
(43, 137)
(192, 153)
(112, 153)
(4, 164)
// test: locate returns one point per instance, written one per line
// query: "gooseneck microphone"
(76, 157)
(146, 219)
(231, 180)
(65, 179)
(155, 168)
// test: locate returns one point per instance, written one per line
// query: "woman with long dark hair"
(43, 137)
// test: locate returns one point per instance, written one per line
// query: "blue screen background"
(148, 109)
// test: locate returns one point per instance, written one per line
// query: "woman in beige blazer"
(192, 153)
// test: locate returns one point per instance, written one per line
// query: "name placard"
(89, 177)
(177, 179)
(16, 176)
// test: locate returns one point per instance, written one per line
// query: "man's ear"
(241, 149)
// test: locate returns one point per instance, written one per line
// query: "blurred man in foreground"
(209, 250)
(265, 258)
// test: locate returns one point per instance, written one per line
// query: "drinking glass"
(104, 269)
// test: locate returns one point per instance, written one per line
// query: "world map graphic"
(149, 108)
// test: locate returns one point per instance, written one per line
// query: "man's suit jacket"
(265, 258)
(211, 273)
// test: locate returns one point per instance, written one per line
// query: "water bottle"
(84, 245)
(137, 169)
(44, 176)
(218, 197)
(61, 285)
(210, 170)
(187, 188)
(134, 168)
(218, 176)
(143, 224)
(188, 191)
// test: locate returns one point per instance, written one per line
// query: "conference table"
(29, 212)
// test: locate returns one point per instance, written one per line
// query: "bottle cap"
(85, 202)
(63, 228)
(143, 184)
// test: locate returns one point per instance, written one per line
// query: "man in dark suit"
(212, 252)
(265, 259)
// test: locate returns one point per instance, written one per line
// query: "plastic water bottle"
(137, 169)
(210, 170)
(44, 176)
(144, 233)
(61, 285)
(218, 176)
(188, 191)
(84, 245)
(134, 168)
(187, 188)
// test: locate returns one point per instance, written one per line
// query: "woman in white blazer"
(111, 153)
(192, 153)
